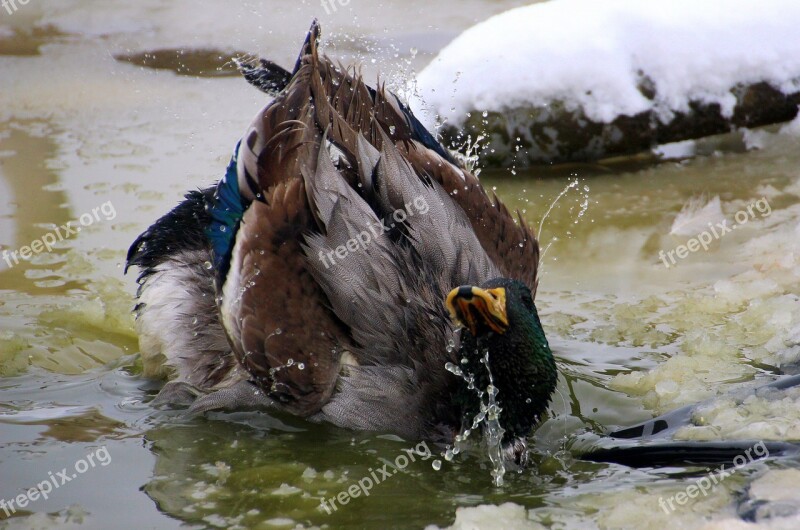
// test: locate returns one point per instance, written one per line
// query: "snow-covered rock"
(579, 79)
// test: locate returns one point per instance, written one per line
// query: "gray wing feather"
(376, 398)
(377, 276)
(368, 158)
(442, 235)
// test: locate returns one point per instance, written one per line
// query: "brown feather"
(509, 242)
(273, 285)
(275, 288)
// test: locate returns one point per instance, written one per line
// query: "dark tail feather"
(183, 228)
(264, 75)
(270, 77)
(309, 45)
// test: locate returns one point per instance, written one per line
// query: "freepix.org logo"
(47, 242)
(376, 476)
(362, 240)
(43, 489)
(708, 483)
(11, 6)
(715, 231)
(330, 6)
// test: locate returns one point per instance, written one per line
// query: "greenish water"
(79, 129)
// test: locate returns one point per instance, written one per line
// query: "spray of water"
(582, 208)
(487, 419)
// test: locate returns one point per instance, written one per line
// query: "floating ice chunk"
(507, 515)
(676, 150)
(696, 216)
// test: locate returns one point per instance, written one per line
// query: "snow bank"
(615, 57)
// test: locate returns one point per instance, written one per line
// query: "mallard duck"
(347, 269)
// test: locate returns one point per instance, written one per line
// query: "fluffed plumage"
(313, 278)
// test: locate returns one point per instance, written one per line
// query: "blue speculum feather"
(226, 213)
(422, 134)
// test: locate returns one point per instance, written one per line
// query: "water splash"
(493, 431)
(487, 418)
(583, 206)
(290, 363)
(570, 186)
(467, 153)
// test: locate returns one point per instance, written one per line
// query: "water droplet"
(208, 265)
(436, 465)
(452, 368)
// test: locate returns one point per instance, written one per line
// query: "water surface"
(80, 129)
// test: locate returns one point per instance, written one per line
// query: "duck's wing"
(275, 313)
(354, 225)
(294, 309)
(508, 241)
(351, 108)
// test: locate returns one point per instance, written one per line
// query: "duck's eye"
(527, 300)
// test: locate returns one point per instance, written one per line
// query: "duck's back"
(337, 232)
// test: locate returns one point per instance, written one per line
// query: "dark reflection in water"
(79, 425)
(246, 468)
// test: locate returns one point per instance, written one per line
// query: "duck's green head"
(499, 317)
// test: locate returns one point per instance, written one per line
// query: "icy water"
(110, 145)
